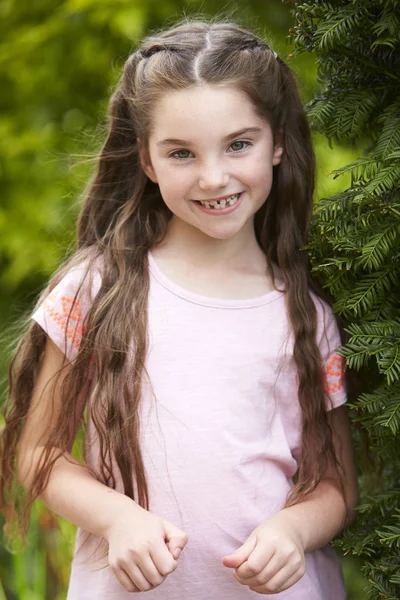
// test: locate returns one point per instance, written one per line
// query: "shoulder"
(328, 330)
(329, 339)
(63, 306)
(81, 277)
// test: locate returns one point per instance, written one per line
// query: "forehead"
(203, 112)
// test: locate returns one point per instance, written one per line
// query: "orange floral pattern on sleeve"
(334, 374)
(69, 318)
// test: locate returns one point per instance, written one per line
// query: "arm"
(328, 509)
(272, 558)
(138, 552)
(72, 492)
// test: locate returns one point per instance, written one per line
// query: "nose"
(213, 176)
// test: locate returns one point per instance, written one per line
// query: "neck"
(183, 242)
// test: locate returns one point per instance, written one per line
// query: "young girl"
(187, 334)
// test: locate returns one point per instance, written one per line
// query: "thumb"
(175, 538)
(241, 555)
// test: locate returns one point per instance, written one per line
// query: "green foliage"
(355, 249)
(42, 571)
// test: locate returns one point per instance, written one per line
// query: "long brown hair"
(124, 216)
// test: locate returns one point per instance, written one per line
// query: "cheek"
(263, 171)
(171, 194)
(173, 183)
(257, 175)
(256, 168)
(169, 189)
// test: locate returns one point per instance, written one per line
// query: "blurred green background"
(59, 62)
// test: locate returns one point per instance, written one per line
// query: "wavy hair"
(123, 217)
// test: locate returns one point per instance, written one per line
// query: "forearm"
(318, 518)
(74, 494)
(331, 506)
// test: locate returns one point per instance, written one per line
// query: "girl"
(187, 334)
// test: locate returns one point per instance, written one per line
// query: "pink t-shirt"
(220, 431)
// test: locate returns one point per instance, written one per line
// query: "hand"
(143, 548)
(271, 560)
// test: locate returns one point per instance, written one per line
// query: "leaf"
(352, 111)
(336, 28)
(380, 245)
(389, 139)
(362, 168)
(367, 291)
(386, 179)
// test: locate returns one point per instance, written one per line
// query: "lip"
(220, 211)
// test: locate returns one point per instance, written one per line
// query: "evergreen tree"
(355, 249)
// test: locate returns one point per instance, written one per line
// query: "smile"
(220, 204)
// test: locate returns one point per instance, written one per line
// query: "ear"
(277, 155)
(145, 162)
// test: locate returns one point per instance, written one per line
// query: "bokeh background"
(59, 61)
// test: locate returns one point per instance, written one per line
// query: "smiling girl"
(188, 336)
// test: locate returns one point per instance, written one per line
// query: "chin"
(221, 235)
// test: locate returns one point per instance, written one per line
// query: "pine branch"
(389, 139)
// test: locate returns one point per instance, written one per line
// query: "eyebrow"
(177, 142)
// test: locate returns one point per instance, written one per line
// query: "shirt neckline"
(210, 301)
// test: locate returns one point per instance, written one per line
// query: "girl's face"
(212, 156)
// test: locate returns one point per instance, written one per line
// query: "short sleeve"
(62, 313)
(333, 364)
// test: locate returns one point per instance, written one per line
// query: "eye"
(239, 145)
(180, 154)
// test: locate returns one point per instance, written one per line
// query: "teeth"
(221, 203)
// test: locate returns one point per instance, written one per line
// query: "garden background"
(59, 61)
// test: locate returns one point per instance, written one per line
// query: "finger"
(292, 580)
(124, 580)
(135, 574)
(256, 562)
(175, 538)
(241, 555)
(174, 550)
(176, 545)
(150, 571)
(283, 580)
(163, 559)
(274, 565)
